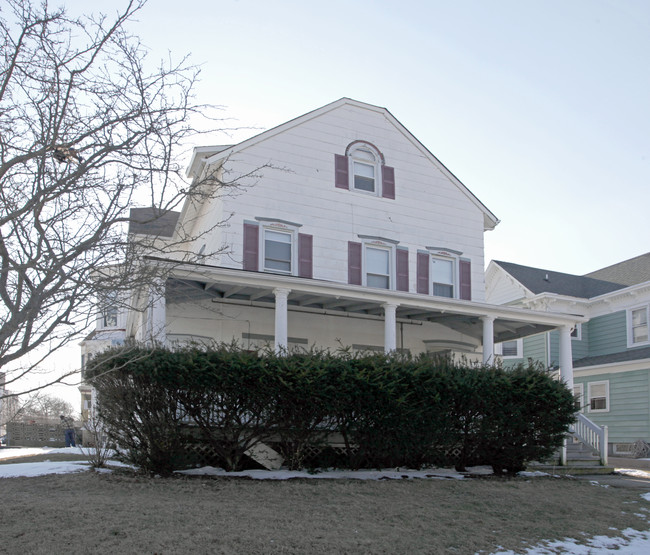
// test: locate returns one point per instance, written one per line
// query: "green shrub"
(138, 406)
(389, 410)
(302, 402)
(528, 416)
(229, 393)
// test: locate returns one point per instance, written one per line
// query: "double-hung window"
(278, 251)
(363, 169)
(109, 310)
(443, 273)
(378, 262)
(637, 325)
(271, 245)
(364, 176)
(598, 393)
(378, 265)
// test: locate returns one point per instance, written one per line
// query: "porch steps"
(581, 459)
(266, 456)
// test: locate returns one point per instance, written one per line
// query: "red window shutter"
(423, 273)
(251, 246)
(387, 182)
(341, 171)
(402, 269)
(465, 271)
(354, 263)
(305, 255)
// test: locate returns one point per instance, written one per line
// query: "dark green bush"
(139, 406)
(230, 394)
(528, 413)
(387, 410)
(302, 403)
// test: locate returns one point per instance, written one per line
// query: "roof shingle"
(629, 272)
(152, 221)
(538, 281)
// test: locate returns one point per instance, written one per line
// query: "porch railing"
(591, 434)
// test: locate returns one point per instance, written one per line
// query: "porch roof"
(189, 281)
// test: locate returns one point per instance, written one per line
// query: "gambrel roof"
(538, 280)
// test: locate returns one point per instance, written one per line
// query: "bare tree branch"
(88, 129)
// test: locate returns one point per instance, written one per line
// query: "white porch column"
(390, 327)
(488, 339)
(281, 319)
(157, 328)
(566, 357)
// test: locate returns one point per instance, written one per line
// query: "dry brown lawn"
(123, 513)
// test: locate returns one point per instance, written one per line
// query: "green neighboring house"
(611, 351)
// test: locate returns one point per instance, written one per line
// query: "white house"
(343, 230)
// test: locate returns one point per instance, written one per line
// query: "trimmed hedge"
(389, 410)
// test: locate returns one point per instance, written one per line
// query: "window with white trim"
(598, 396)
(109, 309)
(510, 349)
(443, 275)
(365, 166)
(278, 248)
(578, 394)
(378, 266)
(378, 263)
(277, 251)
(637, 326)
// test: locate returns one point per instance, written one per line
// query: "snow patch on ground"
(41, 468)
(387, 474)
(633, 542)
(535, 474)
(12, 453)
(633, 472)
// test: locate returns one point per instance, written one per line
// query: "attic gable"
(217, 156)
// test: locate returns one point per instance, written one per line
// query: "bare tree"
(46, 406)
(88, 128)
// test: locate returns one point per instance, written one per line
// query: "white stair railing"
(591, 434)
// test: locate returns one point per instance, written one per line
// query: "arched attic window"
(363, 169)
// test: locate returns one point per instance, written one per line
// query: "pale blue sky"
(541, 108)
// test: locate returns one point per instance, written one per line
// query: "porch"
(284, 302)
